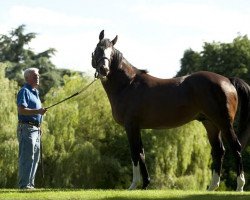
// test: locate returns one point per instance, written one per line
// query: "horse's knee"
(221, 151)
(237, 154)
(218, 156)
(218, 153)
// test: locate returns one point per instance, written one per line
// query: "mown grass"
(52, 194)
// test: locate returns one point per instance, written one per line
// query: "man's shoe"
(27, 188)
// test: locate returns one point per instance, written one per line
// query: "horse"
(141, 101)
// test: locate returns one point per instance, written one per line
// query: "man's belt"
(30, 123)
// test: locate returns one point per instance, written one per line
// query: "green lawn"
(47, 194)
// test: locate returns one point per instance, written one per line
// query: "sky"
(152, 34)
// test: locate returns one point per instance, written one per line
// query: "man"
(30, 113)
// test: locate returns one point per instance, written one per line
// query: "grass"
(56, 194)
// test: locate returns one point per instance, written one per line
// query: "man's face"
(33, 79)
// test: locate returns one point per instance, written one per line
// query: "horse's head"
(102, 56)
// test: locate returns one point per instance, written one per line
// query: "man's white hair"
(28, 71)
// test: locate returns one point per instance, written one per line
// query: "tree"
(228, 59)
(8, 122)
(190, 62)
(15, 50)
(182, 159)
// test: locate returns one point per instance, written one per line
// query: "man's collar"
(30, 87)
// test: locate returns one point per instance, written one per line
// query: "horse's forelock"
(105, 43)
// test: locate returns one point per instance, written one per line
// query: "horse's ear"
(101, 36)
(114, 40)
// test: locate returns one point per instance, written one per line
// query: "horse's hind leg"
(138, 157)
(236, 148)
(218, 152)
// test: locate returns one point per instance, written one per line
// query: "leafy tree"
(229, 59)
(8, 122)
(182, 159)
(190, 62)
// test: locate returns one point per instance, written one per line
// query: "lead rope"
(73, 95)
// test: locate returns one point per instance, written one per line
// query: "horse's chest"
(123, 110)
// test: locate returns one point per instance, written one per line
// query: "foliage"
(182, 159)
(229, 59)
(8, 121)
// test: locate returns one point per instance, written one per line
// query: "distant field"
(52, 194)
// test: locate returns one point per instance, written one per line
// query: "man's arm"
(27, 111)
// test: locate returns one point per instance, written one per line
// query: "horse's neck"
(128, 69)
(120, 78)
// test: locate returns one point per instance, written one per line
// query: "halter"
(96, 64)
(102, 58)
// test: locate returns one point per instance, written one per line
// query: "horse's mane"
(141, 71)
(119, 57)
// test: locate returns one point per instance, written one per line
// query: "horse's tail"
(243, 90)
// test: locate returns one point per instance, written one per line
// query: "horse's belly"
(167, 118)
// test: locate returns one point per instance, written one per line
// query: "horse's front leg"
(138, 157)
(143, 168)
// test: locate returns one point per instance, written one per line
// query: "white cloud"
(44, 16)
(199, 16)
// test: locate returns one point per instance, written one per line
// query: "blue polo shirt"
(29, 98)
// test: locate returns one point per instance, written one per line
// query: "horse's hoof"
(239, 189)
(240, 182)
(215, 183)
(213, 187)
(132, 186)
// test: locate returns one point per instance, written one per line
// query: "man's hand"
(42, 111)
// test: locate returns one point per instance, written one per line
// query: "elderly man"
(30, 113)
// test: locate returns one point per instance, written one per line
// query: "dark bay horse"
(140, 101)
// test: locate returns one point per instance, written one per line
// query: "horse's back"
(173, 102)
(207, 84)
